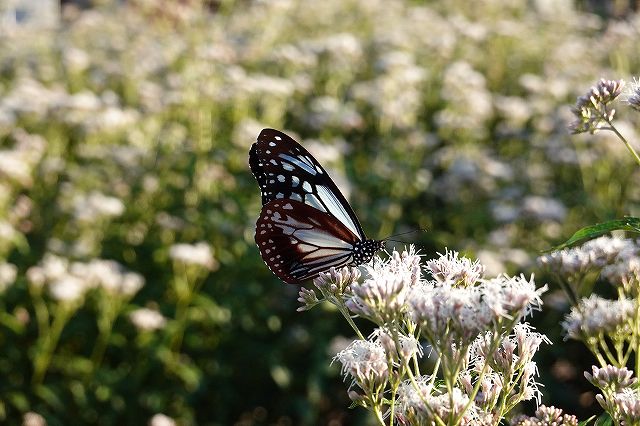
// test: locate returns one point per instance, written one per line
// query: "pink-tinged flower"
(546, 416)
(337, 281)
(633, 94)
(592, 109)
(365, 362)
(628, 405)
(595, 315)
(307, 298)
(455, 270)
(382, 295)
(611, 378)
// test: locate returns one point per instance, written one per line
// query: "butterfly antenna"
(390, 238)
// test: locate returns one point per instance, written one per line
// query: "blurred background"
(132, 291)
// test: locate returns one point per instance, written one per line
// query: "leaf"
(586, 422)
(604, 420)
(631, 224)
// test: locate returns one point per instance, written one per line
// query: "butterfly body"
(306, 226)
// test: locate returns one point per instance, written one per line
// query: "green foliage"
(125, 131)
(630, 224)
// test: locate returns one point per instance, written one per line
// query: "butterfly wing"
(285, 170)
(298, 241)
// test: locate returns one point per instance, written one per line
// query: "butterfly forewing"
(298, 242)
(285, 170)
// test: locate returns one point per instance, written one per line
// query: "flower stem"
(611, 127)
(45, 352)
(353, 325)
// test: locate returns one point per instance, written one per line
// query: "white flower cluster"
(619, 396)
(546, 416)
(200, 254)
(592, 255)
(472, 323)
(595, 315)
(146, 319)
(68, 281)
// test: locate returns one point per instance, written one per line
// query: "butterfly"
(306, 226)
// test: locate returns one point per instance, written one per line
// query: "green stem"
(624, 140)
(379, 416)
(353, 325)
(636, 343)
(50, 341)
(611, 127)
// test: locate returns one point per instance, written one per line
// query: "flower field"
(132, 289)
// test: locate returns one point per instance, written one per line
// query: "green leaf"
(604, 420)
(631, 224)
(586, 422)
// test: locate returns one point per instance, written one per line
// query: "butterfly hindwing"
(298, 241)
(285, 170)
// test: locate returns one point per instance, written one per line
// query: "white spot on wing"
(306, 186)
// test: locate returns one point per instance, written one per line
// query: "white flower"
(161, 420)
(610, 377)
(365, 362)
(193, 254)
(8, 273)
(451, 268)
(67, 289)
(625, 271)
(88, 208)
(593, 254)
(382, 296)
(146, 319)
(595, 315)
(33, 419)
(628, 405)
(110, 276)
(411, 404)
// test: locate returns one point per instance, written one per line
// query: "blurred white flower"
(194, 254)
(146, 319)
(110, 276)
(95, 205)
(33, 419)
(76, 60)
(110, 119)
(67, 289)
(14, 166)
(544, 208)
(8, 274)
(161, 420)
